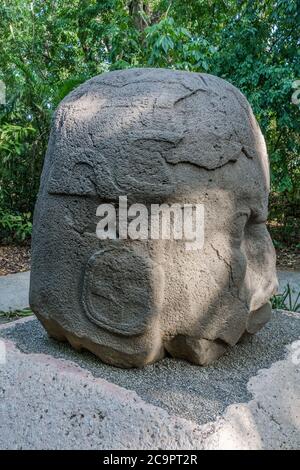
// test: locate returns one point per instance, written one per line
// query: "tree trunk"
(137, 10)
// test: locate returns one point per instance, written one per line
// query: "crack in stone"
(134, 82)
(227, 264)
(199, 165)
(194, 92)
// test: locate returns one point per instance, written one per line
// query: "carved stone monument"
(157, 137)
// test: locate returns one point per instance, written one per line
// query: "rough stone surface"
(156, 136)
(88, 413)
(52, 403)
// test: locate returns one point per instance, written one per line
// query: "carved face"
(155, 136)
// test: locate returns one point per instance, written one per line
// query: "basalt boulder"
(156, 136)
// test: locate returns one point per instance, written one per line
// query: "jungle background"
(48, 47)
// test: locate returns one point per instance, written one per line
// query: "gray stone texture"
(156, 136)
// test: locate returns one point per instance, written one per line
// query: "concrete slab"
(14, 291)
(271, 420)
(52, 404)
(55, 398)
(191, 392)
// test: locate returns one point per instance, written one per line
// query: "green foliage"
(14, 315)
(14, 227)
(285, 300)
(174, 46)
(48, 47)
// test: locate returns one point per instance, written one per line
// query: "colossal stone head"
(158, 137)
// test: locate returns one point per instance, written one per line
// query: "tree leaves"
(48, 47)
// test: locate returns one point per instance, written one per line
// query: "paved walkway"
(52, 397)
(14, 289)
